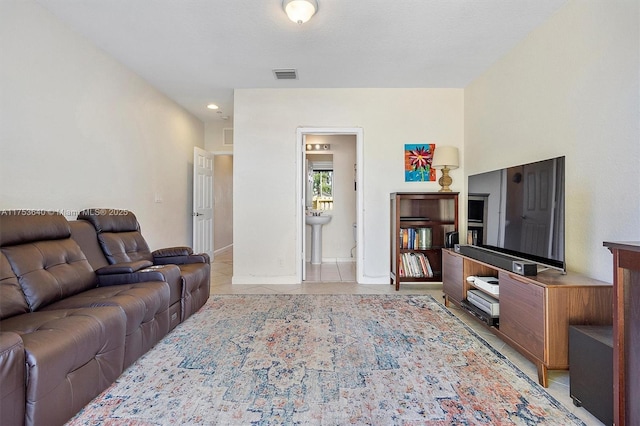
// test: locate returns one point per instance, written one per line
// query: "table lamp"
(445, 158)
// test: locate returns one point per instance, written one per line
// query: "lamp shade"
(445, 156)
(300, 11)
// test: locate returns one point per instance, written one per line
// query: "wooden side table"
(626, 332)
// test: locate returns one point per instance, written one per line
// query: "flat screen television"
(519, 211)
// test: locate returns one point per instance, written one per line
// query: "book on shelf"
(415, 238)
(414, 265)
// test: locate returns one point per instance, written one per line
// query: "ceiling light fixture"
(300, 11)
(212, 106)
(318, 147)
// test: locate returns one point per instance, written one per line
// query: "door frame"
(301, 133)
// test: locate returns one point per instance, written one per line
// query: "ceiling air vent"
(285, 74)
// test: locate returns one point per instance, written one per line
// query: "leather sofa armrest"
(181, 260)
(166, 273)
(124, 268)
(12, 377)
(172, 252)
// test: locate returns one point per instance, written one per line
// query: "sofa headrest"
(110, 220)
(83, 233)
(27, 226)
(12, 301)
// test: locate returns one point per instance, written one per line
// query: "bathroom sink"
(317, 220)
(316, 223)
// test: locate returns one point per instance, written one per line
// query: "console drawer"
(522, 313)
(452, 279)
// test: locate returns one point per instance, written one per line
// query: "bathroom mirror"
(319, 182)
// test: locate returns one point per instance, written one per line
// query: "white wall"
(265, 205)
(79, 130)
(570, 88)
(213, 140)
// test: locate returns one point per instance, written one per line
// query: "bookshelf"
(419, 224)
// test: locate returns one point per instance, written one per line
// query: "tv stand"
(535, 312)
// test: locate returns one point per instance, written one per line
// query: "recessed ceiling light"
(212, 106)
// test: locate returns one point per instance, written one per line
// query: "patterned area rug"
(325, 360)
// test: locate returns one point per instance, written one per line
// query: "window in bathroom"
(323, 189)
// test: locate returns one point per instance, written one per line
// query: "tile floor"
(339, 278)
(331, 272)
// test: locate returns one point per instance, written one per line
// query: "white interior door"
(538, 207)
(203, 201)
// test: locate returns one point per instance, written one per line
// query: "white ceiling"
(199, 51)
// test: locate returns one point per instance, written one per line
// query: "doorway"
(223, 201)
(351, 183)
(212, 188)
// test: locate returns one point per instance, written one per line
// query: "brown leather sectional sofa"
(80, 301)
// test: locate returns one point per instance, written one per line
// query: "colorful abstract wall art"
(417, 162)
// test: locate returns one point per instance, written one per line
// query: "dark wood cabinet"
(452, 281)
(420, 222)
(626, 332)
(535, 312)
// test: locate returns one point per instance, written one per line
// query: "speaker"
(499, 260)
(524, 268)
(450, 239)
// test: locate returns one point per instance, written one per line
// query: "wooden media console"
(535, 312)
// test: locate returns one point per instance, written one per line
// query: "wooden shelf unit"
(626, 332)
(535, 312)
(435, 210)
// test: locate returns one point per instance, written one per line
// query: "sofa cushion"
(50, 270)
(12, 301)
(71, 356)
(119, 247)
(119, 235)
(110, 220)
(85, 235)
(49, 265)
(146, 306)
(26, 226)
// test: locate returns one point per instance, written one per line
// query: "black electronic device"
(480, 314)
(492, 258)
(489, 305)
(450, 239)
(525, 212)
(591, 369)
(524, 268)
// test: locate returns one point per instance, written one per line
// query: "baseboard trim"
(223, 249)
(254, 280)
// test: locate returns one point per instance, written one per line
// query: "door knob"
(197, 214)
